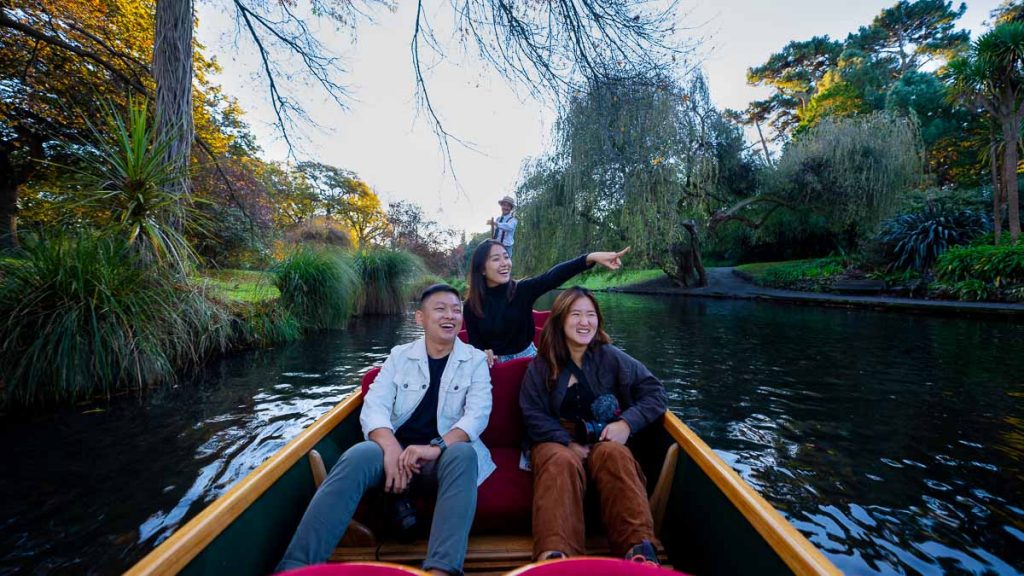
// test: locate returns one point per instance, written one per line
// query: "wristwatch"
(440, 443)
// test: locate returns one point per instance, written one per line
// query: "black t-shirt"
(421, 427)
(507, 324)
(578, 398)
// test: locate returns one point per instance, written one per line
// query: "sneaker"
(644, 552)
(555, 555)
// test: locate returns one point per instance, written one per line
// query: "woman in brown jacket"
(582, 399)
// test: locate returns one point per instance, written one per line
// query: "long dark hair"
(553, 347)
(477, 283)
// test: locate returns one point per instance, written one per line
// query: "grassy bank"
(967, 273)
(605, 279)
(813, 275)
(241, 285)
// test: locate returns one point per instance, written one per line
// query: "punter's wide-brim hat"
(507, 200)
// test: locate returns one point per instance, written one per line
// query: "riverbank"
(726, 283)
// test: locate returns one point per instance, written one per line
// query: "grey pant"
(360, 468)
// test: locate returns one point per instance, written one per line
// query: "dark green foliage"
(916, 240)
(996, 265)
(318, 286)
(84, 315)
(387, 277)
(459, 284)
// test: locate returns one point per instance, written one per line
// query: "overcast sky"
(381, 137)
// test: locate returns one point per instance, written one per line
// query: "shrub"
(916, 240)
(318, 286)
(388, 277)
(996, 265)
(84, 315)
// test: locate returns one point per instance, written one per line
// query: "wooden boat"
(709, 521)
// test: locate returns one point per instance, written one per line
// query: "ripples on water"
(894, 442)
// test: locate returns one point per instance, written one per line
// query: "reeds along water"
(387, 277)
(318, 285)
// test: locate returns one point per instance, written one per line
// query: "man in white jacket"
(422, 418)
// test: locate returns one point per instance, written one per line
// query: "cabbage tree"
(990, 76)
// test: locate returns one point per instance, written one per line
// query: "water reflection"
(894, 442)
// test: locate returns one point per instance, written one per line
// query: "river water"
(895, 442)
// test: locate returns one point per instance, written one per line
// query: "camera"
(403, 518)
(605, 408)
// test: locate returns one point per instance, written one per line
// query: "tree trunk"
(997, 192)
(1011, 138)
(8, 201)
(172, 70)
(698, 262)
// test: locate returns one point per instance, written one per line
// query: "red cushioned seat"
(505, 499)
(540, 317)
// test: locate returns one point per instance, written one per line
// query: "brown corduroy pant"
(559, 483)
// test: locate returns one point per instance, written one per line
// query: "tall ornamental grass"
(81, 316)
(388, 278)
(318, 286)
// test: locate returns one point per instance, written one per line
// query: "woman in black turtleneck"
(499, 311)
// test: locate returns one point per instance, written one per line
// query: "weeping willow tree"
(635, 163)
(656, 166)
(849, 171)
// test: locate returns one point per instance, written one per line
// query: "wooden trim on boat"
(795, 550)
(185, 544)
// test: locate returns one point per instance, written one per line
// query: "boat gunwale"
(171, 556)
(799, 554)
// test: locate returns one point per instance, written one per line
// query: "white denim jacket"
(463, 402)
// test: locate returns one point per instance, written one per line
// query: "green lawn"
(814, 273)
(241, 285)
(605, 279)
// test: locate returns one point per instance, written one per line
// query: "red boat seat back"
(505, 428)
(368, 378)
(540, 317)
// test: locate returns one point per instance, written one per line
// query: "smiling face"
(440, 315)
(581, 323)
(497, 267)
(506, 208)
